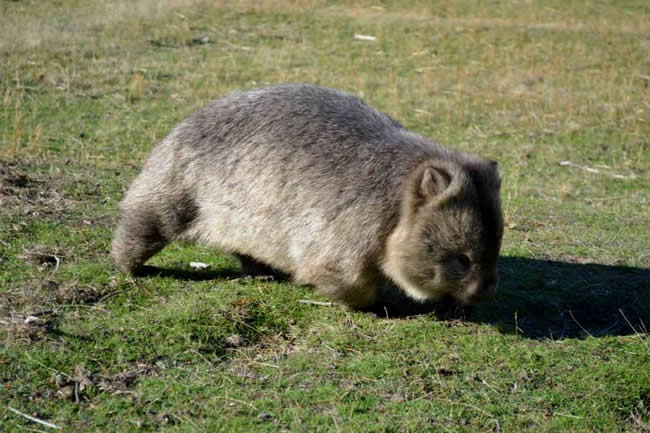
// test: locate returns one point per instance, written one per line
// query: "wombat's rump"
(312, 182)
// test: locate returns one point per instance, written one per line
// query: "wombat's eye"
(463, 261)
(457, 266)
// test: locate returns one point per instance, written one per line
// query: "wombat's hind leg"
(250, 266)
(139, 236)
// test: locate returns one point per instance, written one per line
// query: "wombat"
(314, 183)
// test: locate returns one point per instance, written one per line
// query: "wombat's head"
(448, 237)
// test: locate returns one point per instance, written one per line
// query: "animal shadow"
(535, 299)
(187, 274)
(544, 298)
(249, 272)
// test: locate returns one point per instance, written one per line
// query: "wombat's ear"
(433, 181)
(495, 168)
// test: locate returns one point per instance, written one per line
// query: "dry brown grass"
(472, 75)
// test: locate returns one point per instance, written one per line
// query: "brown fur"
(314, 183)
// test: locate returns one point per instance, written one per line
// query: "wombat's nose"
(480, 290)
(489, 286)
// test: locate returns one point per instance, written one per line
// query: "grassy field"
(558, 92)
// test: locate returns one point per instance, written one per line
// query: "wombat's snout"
(480, 290)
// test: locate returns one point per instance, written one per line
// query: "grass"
(87, 88)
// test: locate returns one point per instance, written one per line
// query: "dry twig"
(359, 37)
(596, 171)
(33, 419)
(321, 303)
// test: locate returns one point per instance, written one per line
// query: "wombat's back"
(293, 174)
(319, 134)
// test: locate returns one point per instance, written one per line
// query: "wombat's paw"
(128, 260)
(448, 308)
(126, 266)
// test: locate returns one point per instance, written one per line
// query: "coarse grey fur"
(315, 183)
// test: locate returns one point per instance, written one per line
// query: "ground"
(557, 92)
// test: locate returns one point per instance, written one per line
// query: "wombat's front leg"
(351, 296)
